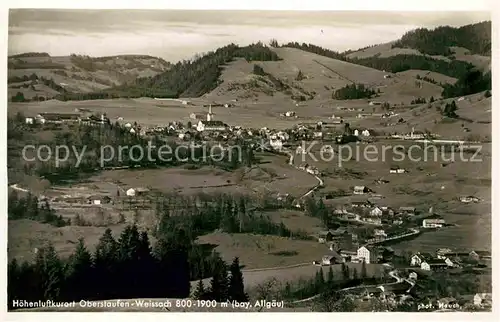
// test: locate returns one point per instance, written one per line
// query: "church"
(210, 124)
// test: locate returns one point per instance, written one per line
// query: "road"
(320, 181)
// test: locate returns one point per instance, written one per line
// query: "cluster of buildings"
(445, 258)
(68, 118)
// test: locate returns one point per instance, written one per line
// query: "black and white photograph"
(173, 160)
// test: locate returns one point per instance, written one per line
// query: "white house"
(368, 254)
(433, 264)
(413, 276)
(128, 125)
(30, 120)
(132, 131)
(359, 190)
(290, 114)
(397, 170)
(416, 260)
(482, 299)
(196, 116)
(365, 133)
(376, 212)
(469, 199)
(433, 223)
(136, 191)
(276, 144)
(130, 192)
(356, 132)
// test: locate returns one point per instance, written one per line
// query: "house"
(386, 211)
(29, 120)
(380, 233)
(132, 192)
(290, 114)
(361, 204)
(331, 259)
(368, 254)
(211, 126)
(365, 133)
(469, 199)
(443, 253)
(276, 144)
(397, 170)
(433, 264)
(57, 118)
(373, 220)
(318, 135)
(410, 211)
(98, 200)
(413, 276)
(376, 212)
(359, 190)
(474, 256)
(433, 223)
(325, 236)
(482, 299)
(348, 254)
(196, 116)
(418, 258)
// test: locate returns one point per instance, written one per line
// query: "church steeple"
(210, 115)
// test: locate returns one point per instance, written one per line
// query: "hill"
(470, 44)
(304, 76)
(39, 74)
(293, 71)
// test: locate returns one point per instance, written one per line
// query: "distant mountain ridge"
(453, 52)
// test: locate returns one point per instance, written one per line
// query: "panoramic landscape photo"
(253, 161)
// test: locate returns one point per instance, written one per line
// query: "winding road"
(383, 286)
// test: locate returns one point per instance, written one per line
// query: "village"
(365, 228)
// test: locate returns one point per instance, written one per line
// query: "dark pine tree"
(106, 262)
(199, 292)
(79, 274)
(51, 272)
(363, 271)
(236, 291)
(330, 275)
(219, 281)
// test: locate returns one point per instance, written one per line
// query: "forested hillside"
(475, 37)
(187, 78)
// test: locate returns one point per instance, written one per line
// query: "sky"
(179, 34)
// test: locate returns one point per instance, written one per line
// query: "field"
(24, 236)
(256, 251)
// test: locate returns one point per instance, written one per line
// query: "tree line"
(353, 91)
(475, 37)
(29, 207)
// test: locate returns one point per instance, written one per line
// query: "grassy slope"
(322, 76)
